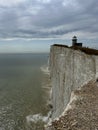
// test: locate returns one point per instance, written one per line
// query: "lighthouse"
(74, 42)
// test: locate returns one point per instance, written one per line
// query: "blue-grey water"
(21, 92)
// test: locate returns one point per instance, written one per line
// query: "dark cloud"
(48, 18)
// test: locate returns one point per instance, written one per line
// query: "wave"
(45, 69)
(37, 121)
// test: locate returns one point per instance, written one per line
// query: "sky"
(34, 25)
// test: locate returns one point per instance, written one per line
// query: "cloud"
(8, 3)
(48, 18)
(44, 1)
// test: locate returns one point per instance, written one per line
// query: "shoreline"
(39, 120)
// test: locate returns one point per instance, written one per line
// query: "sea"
(22, 90)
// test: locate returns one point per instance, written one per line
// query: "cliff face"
(69, 70)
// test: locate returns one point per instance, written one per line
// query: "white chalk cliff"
(69, 70)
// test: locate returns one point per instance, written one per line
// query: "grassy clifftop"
(86, 50)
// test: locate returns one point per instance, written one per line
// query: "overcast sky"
(33, 25)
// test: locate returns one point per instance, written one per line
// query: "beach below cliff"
(82, 111)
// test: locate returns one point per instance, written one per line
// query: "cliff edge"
(73, 74)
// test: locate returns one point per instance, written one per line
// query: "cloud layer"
(48, 18)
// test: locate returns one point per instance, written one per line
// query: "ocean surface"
(21, 91)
